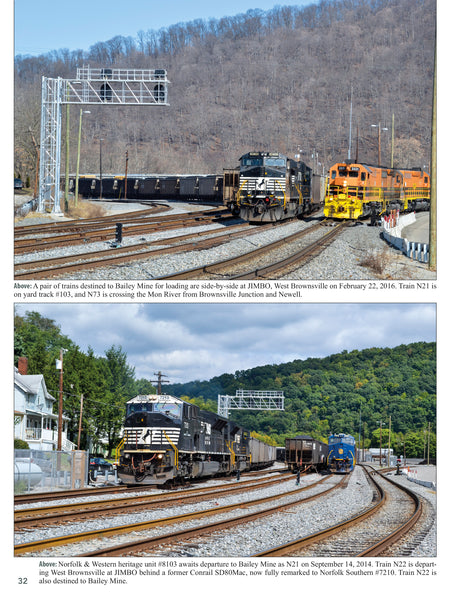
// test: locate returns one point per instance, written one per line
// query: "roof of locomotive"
(369, 167)
(264, 154)
(155, 398)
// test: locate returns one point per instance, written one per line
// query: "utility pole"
(37, 149)
(60, 401)
(433, 176)
(159, 380)
(392, 139)
(80, 423)
(125, 178)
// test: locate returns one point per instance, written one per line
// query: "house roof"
(32, 384)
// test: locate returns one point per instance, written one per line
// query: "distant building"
(34, 419)
(386, 453)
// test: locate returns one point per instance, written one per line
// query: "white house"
(34, 419)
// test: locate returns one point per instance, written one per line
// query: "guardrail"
(392, 227)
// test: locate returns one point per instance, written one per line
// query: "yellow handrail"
(117, 452)
(232, 453)
(176, 451)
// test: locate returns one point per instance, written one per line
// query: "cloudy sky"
(199, 341)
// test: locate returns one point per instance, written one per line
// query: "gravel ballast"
(358, 253)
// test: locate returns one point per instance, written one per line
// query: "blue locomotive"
(342, 453)
(167, 439)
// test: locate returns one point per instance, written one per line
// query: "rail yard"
(181, 241)
(364, 513)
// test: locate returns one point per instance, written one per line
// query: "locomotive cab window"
(252, 162)
(275, 162)
(363, 176)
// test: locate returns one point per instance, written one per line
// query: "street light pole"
(60, 402)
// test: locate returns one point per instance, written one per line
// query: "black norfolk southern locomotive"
(167, 439)
(273, 187)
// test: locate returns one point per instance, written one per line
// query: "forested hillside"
(270, 80)
(333, 394)
(322, 395)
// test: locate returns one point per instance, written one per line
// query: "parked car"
(100, 465)
(18, 184)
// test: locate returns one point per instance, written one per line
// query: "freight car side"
(304, 452)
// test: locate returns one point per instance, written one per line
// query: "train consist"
(266, 187)
(273, 187)
(269, 187)
(342, 453)
(305, 453)
(167, 439)
(357, 190)
(205, 188)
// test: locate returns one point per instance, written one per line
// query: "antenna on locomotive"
(159, 380)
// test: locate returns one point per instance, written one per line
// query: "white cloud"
(200, 341)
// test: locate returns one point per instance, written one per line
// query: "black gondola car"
(305, 453)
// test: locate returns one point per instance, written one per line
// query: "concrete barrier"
(391, 232)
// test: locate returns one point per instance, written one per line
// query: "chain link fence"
(40, 470)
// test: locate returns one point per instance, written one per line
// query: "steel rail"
(107, 232)
(39, 545)
(149, 543)
(295, 545)
(54, 513)
(125, 254)
(138, 215)
(212, 268)
(402, 530)
(59, 226)
(313, 249)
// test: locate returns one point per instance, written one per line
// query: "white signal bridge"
(250, 400)
(110, 87)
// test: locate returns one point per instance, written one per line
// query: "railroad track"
(226, 269)
(45, 515)
(52, 267)
(368, 533)
(95, 231)
(305, 493)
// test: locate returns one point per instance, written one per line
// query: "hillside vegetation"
(264, 80)
(351, 392)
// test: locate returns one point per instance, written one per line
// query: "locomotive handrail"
(283, 191)
(232, 453)
(117, 452)
(176, 451)
(240, 190)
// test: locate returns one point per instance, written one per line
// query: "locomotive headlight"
(160, 456)
(344, 183)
